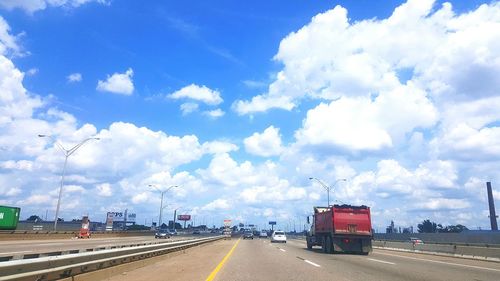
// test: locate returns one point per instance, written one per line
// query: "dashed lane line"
(309, 262)
(381, 261)
(313, 264)
(282, 250)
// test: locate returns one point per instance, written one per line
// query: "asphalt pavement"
(258, 259)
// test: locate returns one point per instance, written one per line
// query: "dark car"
(162, 233)
(248, 235)
(196, 232)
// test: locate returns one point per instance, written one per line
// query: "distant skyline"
(240, 103)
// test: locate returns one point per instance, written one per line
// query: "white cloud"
(118, 83)
(17, 165)
(364, 124)
(443, 204)
(441, 52)
(74, 77)
(8, 42)
(198, 93)
(36, 199)
(104, 189)
(262, 103)
(267, 143)
(32, 71)
(216, 113)
(74, 188)
(31, 6)
(189, 107)
(218, 204)
(217, 147)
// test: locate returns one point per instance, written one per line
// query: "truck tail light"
(346, 240)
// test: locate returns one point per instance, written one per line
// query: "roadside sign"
(272, 223)
(9, 217)
(184, 217)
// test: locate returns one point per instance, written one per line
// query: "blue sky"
(239, 103)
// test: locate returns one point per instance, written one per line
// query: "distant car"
(415, 241)
(278, 236)
(172, 232)
(196, 232)
(162, 233)
(248, 235)
(263, 234)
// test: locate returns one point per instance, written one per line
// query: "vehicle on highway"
(196, 232)
(263, 234)
(248, 235)
(278, 236)
(415, 241)
(162, 233)
(341, 228)
(172, 232)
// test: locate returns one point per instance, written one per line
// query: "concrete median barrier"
(490, 253)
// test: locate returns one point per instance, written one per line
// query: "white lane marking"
(313, 264)
(282, 250)
(50, 244)
(387, 262)
(442, 262)
(15, 252)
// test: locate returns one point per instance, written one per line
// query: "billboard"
(120, 216)
(272, 223)
(9, 216)
(184, 217)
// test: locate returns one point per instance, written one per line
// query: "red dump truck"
(341, 229)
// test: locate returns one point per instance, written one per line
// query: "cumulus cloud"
(104, 189)
(218, 204)
(216, 113)
(267, 143)
(189, 107)
(74, 77)
(118, 83)
(31, 6)
(198, 93)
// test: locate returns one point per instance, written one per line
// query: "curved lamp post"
(67, 153)
(161, 202)
(327, 188)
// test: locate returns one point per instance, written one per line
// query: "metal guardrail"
(81, 249)
(57, 267)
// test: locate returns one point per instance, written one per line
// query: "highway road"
(259, 259)
(27, 247)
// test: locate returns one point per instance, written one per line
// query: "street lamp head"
(42, 136)
(311, 178)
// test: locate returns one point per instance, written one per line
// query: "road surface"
(259, 259)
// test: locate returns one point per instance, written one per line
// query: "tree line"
(427, 226)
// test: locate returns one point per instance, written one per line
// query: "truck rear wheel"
(309, 243)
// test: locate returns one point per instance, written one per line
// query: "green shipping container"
(9, 216)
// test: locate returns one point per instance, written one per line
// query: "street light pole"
(67, 154)
(161, 202)
(327, 188)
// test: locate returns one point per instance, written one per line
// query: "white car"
(263, 234)
(278, 236)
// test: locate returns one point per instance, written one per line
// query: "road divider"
(460, 251)
(66, 266)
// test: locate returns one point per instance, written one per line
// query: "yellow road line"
(216, 270)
